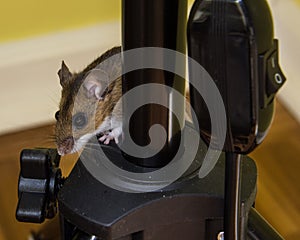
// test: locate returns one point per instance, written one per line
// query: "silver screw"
(221, 236)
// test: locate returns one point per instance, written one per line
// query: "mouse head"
(82, 95)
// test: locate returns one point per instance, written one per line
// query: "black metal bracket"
(39, 182)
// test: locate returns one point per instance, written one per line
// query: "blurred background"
(35, 36)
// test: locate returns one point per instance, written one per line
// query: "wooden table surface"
(278, 162)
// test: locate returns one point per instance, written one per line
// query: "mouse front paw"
(106, 138)
(114, 134)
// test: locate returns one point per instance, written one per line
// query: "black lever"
(39, 182)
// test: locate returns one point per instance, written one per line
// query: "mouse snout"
(66, 146)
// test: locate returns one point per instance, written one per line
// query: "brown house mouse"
(89, 103)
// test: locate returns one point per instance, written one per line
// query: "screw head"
(221, 236)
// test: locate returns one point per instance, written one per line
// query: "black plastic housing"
(234, 42)
(190, 208)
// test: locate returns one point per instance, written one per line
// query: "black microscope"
(234, 75)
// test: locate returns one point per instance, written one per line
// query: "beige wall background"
(286, 15)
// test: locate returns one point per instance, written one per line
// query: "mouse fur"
(89, 103)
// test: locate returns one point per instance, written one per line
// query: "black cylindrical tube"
(154, 23)
(232, 225)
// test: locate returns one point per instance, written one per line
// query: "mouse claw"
(102, 138)
(106, 138)
(107, 141)
(113, 135)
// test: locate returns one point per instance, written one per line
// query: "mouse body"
(90, 103)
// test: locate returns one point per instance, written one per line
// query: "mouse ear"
(64, 74)
(96, 83)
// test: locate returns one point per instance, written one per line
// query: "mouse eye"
(57, 115)
(79, 120)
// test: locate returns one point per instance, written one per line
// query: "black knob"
(39, 182)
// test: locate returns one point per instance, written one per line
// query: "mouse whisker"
(77, 150)
(51, 137)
